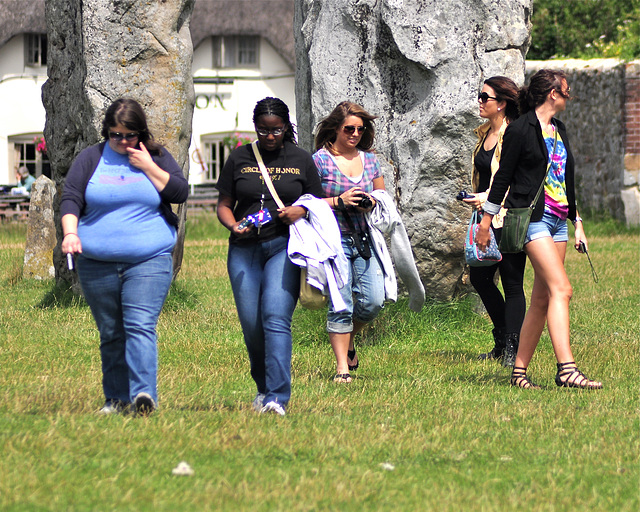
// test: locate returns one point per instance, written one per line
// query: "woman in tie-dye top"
(527, 148)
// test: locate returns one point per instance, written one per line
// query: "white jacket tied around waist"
(316, 244)
(383, 220)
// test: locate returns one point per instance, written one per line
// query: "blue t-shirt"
(122, 220)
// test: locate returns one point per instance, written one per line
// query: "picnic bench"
(14, 207)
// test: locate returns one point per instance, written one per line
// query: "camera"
(464, 195)
(365, 202)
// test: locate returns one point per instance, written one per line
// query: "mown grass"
(424, 426)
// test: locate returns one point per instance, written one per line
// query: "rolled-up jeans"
(265, 287)
(126, 300)
(365, 283)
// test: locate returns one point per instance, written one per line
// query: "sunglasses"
(117, 136)
(565, 94)
(350, 130)
(265, 133)
(483, 97)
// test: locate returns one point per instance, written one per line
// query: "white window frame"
(236, 52)
(23, 151)
(35, 49)
(215, 153)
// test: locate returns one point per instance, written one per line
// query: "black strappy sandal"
(574, 377)
(342, 378)
(351, 354)
(519, 379)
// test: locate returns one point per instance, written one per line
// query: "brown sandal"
(519, 379)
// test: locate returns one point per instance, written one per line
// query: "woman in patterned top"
(526, 150)
(350, 171)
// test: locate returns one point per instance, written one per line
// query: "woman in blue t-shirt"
(117, 220)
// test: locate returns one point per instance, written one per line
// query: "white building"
(238, 59)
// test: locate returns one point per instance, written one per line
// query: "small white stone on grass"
(183, 469)
(386, 466)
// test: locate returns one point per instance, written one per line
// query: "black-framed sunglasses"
(483, 97)
(350, 129)
(117, 136)
(275, 132)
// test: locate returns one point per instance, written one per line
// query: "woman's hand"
(353, 196)
(141, 159)
(477, 200)
(482, 234)
(71, 244)
(580, 237)
(291, 214)
(241, 233)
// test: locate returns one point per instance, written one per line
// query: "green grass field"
(424, 426)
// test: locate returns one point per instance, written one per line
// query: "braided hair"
(275, 107)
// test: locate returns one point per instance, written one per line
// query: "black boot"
(511, 349)
(498, 348)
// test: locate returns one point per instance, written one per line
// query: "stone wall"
(603, 123)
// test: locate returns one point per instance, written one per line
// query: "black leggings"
(507, 314)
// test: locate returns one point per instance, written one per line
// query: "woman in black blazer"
(528, 142)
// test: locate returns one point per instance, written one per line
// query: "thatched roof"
(271, 19)
(20, 16)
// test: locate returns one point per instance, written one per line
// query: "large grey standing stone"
(418, 65)
(41, 231)
(102, 50)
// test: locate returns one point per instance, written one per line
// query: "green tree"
(585, 29)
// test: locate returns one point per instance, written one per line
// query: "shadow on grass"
(61, 295)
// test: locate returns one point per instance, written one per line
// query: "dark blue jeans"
(265, 287)
(126, 300)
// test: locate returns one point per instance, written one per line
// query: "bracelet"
(65, 236)
(577, 219)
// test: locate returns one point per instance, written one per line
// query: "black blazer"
(523, 166)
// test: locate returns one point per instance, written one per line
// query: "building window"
(235, 51)
(36, 49)
(217, 148)
(25, 153)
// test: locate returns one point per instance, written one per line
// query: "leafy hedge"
(585, 29)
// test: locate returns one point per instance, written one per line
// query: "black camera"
(464, 195)
(365, 202)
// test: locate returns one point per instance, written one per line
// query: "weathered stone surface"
(102, 50)
(41, 231)
(418, 65)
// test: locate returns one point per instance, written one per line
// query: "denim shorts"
(550, 225)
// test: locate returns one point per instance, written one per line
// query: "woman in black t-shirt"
(498, 105)
(265, 283)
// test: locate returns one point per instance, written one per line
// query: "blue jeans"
(265, 287)
(366, 282)
(126, 300)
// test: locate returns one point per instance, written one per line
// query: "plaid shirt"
(335, 183)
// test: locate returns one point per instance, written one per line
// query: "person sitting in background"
(25, 179)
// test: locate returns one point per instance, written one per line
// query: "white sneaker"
(257, 402)
(273, 407)
(143, 404)
(112, 407)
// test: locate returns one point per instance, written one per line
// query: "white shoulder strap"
(265, 175)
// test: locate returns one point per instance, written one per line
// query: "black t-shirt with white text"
(292, 172)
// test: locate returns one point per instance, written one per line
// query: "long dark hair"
(506, 90)
(326, 131)
(129, 113)
(275, 107)
(540, 85)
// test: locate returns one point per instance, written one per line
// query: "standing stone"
(101, 50)
(41, 231)
(418, 65)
